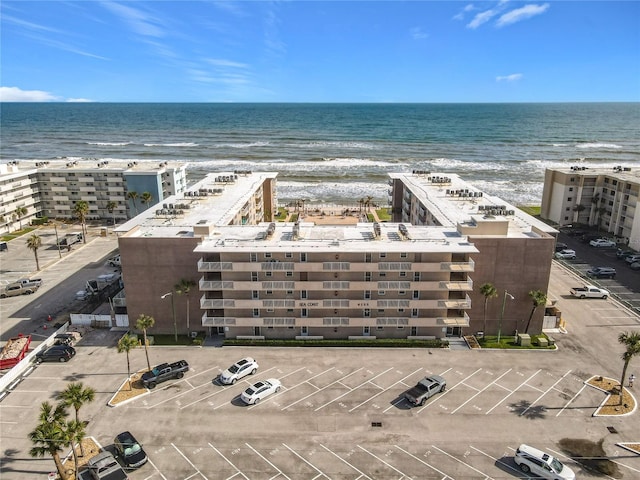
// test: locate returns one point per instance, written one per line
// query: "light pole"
(55, 227)
(504, 301)
(173, 313)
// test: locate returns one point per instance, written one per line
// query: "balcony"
(211, 303)
(214, 266)
(459, 304)
(462, 286)
(217, 321)
(458, 266)
(208, 285)
(462, 321)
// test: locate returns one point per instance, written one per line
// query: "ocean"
(336, 153)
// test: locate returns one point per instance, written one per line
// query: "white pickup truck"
(589, 291)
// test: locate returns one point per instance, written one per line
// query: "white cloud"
(15, 94)
(78, 100)
(219, 62)
(418, 34)
(514, 77)
(522, 13)
(482, 17)
(140, 22)
(467, 8)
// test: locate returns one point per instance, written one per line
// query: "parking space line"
(512, 392)
(548, 390)
(463, 463)
(444, 475)
(362, 474)
(320, 472)
(181, 393)
(390, 387)
(189, 462)
(504, 464)
(386, 463)
(402, 399)
(351, 390)
(156, 469)
(480, 391)
(229, 462)
(319, 390)
(563, 457)
(448, 390)
(267, 460)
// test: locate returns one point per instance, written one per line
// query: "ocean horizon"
(336, 152)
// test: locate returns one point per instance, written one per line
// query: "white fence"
(100, 321)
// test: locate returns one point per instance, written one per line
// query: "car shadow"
(401, 403)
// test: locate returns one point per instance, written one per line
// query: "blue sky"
(328, 51)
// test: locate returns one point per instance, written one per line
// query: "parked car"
(129, 450)
(623, 254)
(425, 389)
(567, 254)
(633, 259)
(114, 261)
(602, 272)
(561, 246)
(64, 339)
(242, 368)
(104, 466)
(56, 353)
(635, 266)
(602, 242)
(260, 390)
(532, 460)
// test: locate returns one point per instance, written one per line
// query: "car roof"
(126, 437)
(533, 451)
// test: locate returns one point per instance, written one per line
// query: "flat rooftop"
(70, 164)
(453, 201)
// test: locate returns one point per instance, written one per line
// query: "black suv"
(129, 450)
(56, 353)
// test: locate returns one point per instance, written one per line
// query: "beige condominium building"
(255, 276)
(607, 198)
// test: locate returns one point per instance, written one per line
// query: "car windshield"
(250, 391)
(131, 449)
(556, 465)
(233, 368)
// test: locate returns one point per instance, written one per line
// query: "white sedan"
(242, 368)
(566, 254)
(602, 242)
(260, 390)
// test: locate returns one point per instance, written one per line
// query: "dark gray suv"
(56, 353)
(602, 272)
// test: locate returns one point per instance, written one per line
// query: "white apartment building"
(603, 197)
(19, 193)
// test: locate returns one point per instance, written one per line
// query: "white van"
(536, 461)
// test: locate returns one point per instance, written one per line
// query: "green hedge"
(383, 342)
(40, 221)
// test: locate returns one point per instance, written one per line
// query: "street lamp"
(504, 301)
(173, 312)
(55, 227)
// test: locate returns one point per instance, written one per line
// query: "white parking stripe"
(351, 390)
(380, 393)
(362, 474)
(464, 463)
(189, 462)
(266, 460)
(512, 392)
(320, 472)
(564, 458)
(382, 461)
(504, 464)
(229, 462)
(480, 391)
(572, 399)
(548, 389)
(448, 390)
(311, 394)
(444, 475)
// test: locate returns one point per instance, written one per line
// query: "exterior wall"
(517, 265)
(18, 189)
(152, 267)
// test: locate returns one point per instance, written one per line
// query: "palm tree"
(76, 433)
(143, 323)
(183, 288)
(76, 395)
(368, 202)
(539, 298)
(50, 435)
(34, 242)
(133, 197)
(81, 210)
(126, 344)
(488, 290)
(111, 208)
(632, 342)
(146, 198)
(21, 212)
(578, 208)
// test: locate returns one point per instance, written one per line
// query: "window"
(403, 274)
(571, 189)
(367, 294)
(304, 312)
(288, 255)
(367, 312)
(289, 292)
(381, 311)
(367, 258)
(416, 276)
(267, 255)
(254, 276)
(383, 254)
(268, 274)
(254, 294)
(289, 310)
(256, 312)
(269, 310)
(569, 199)
(269, 292)
(416, 294)
(403, 255)
(383, 274)
(414, 312)
(367, 276)
(401, 310)
(381, 292)
(366, 330)
(253, 257)
(303, 294)
(303, 257)
(401, 292)
(289, 274)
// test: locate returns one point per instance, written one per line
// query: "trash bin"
(103, 231)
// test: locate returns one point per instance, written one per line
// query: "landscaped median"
(611, 404)
(130, 389)
(360, 342)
